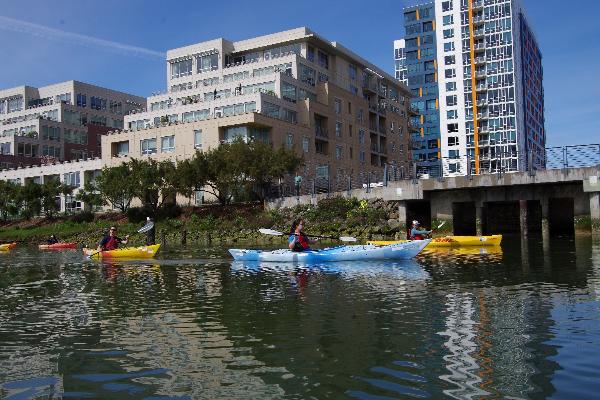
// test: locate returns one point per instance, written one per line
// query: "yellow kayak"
(451, 241)
(125, 252)
(7, 246)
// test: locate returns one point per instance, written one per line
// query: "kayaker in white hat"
(416, 233)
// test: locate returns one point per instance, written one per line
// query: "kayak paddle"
(143, 229)
(277, 233)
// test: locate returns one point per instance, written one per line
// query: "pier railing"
(494, 161)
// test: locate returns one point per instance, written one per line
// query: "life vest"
(112, 243)
(301, 243)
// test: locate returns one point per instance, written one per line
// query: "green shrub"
(168, 211)
(85, 216)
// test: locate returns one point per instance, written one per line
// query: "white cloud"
(29, 28)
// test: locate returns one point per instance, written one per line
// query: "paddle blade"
(348, 239)
(270, 232)
(146, 227)
(440, 225)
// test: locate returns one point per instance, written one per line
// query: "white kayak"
(397, 251)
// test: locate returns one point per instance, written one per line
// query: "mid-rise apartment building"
(293, 88)
(475, 70)
(58, 122)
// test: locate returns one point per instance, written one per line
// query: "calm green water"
(521, 323)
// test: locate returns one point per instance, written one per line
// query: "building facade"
(293, 89)
(475, 70)
(59, 122)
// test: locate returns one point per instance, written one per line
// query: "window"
(81, 100)
(453, 168)
(450, 86)
(289, 142)
(447, 5)
(148, 146)
(451, 100)
(452, 114)
(323, 60)
(430, 104)
(338, 129)
(448, 33)
(427, 26)
(181, 68)
(452, 140)
(338, 152)
(361, 136)
(72, 179)
(352, 71)
(361, 156)
(448, 19)
(337, 105)
(452, 128)
(450, 73)
(198, 138)
(167, 144)
(121, 148)
(448, 47)
(432, 144)
(449, 60)
(430, 78)
(305, 145)
(454, 153)
(206, 63)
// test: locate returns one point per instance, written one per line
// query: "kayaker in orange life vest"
(298, 241)
(111, 241)
(416, 233)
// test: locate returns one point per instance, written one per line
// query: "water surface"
(516, 322)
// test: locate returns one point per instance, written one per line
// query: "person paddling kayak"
(112, 241)
(52, 240)
(298, 241)
(416, 233)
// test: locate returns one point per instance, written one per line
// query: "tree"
(263, 165)
(90, 196)
(50, 193)
(8, 199)
(117, 186)
(28, 199)
(156, 182)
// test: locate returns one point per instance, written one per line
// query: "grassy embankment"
(226, 224)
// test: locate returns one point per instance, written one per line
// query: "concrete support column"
(402, 215)
(479, 218)
(595, 211)
(523, 217)
(545, 223)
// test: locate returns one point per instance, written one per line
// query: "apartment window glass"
(449, 60)
(338, 129)
(337, 105)
(448, 19)
(198, 138)
(81, 100)
(454, 153)
(207, 63)
(453, 141)
(427, 26)
(181, 68)
(361, 136)
(447, 5)
(338, 152)
(148, 146)
(352, 71)
(448, 47)
(451, 100)
(323, 60)
(451, 114)
(430, 104)
(167, 144)
(122, 148)
(429, 78)
(289, 141)
(452, 128)
(450, 86)
(305, 145)
(288, 92)
(448, 33)
(450, 73)
(429, 65)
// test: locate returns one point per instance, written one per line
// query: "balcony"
(479, 46)
(413, 111)
(478, 33)
(369, 87)
(482, 102)
(478, 19)
(321, 132)
(477, 5)
(483, 116)
(484, 129)
(481, 87)
(480, 60)
(480, 74)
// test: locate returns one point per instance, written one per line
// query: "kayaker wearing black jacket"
(111, 241)
(52, 239)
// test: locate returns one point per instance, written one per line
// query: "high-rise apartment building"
(293, 88)
(59, 122)
(475, 70)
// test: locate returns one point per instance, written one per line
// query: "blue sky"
(119, 44)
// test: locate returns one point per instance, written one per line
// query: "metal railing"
(493, 160)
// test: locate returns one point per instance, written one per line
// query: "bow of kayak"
(125, 252)
(8, 246)
(58, 246)
(399, 251)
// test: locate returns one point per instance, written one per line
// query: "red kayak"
(58, 246)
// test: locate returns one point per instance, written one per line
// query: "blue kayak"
(397, 251)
